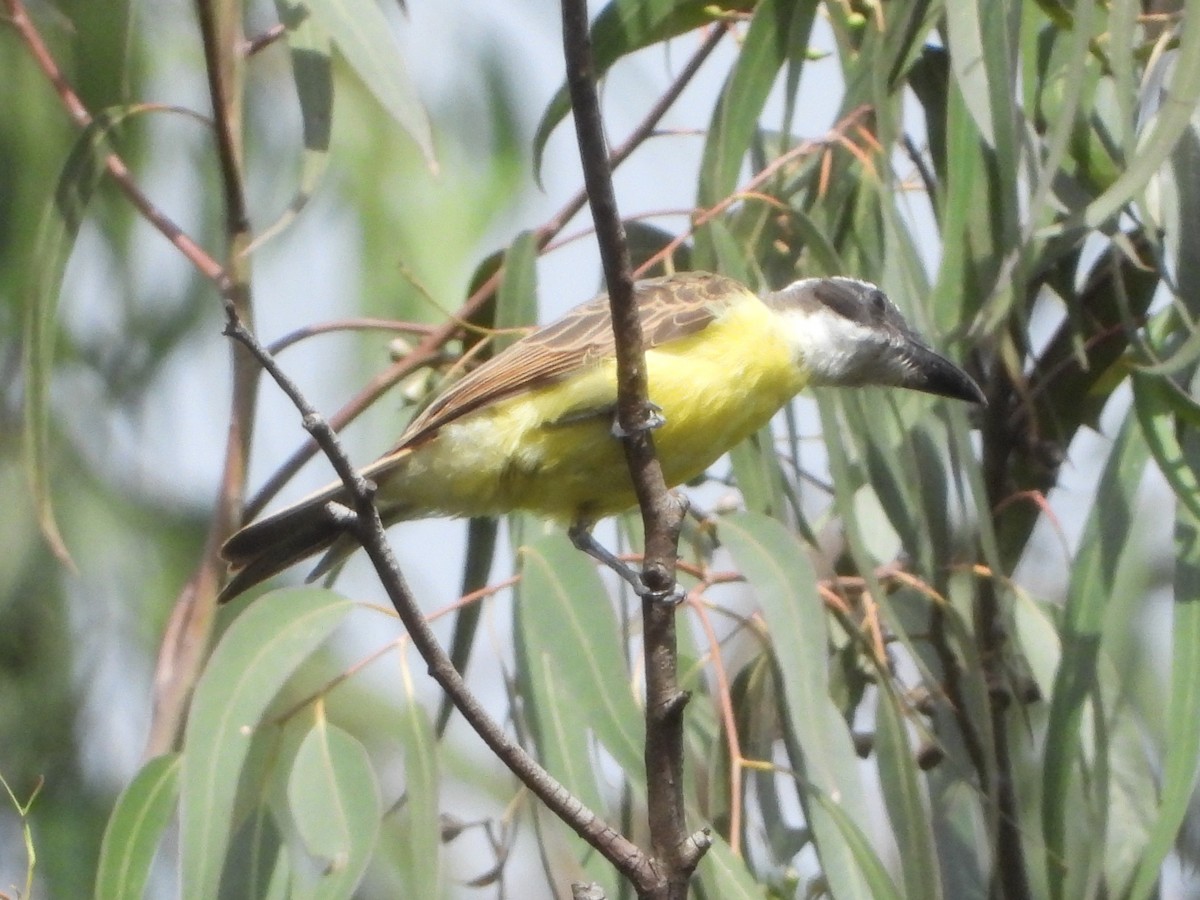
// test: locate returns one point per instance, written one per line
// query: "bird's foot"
(653, 419)
(583, 540)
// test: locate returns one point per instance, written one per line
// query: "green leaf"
(621, 28)
(569, 632)
(1093, 575)
(256, 655)
(1178, 775)
(777, 567)
(759, 476)
(900, 779)
(778, 30)
(1157, 403)
(572, 678)
(724, 876)
(334, 800)
(364, 37)
(312, 70)
(131, 839)
(77, 182)
(420, 851)
(979, 56)
(881, 885)
(958, 825)
(516, 301)
(1158, 141)
(481, 552)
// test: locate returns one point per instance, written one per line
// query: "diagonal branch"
(362, 520)
(18, 18)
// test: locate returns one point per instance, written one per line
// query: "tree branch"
(676, 851)
(18, 17)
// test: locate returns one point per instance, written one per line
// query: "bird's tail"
(268, 546)
(308, 527)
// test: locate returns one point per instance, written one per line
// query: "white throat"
(829, 347)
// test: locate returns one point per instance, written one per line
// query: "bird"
(533, 428)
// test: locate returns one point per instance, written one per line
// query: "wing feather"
(670, 308)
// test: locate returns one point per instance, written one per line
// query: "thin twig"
(354, 324)
(768, 172)
(262, 41)
(728, 717)
(113, 164)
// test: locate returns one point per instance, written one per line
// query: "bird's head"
(847, 333)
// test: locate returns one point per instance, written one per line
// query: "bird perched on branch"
(533, 427)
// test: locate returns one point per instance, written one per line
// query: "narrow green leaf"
(881, 885)
(334, 800)
(1156, 413)
(1038, 639)
(724, 876)
(77, 182)
(1106, 537)
(960, 830)
(622, 27)
(312, 71)
(421, 849)
(759, 476)
(892, 471)
(135, 828)
(477, 566)
(1178, 777)
(256, 655)
(777, 567)
(516, 301)
(566, 620)
(1135, 793)
(900, 778)
(1160, 139)
(364, 37)
(962, 187)
(778, 30)
(981, 57)
(1068, 81)
(572, 680)
(279, 887)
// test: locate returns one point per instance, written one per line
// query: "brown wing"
(670, 308)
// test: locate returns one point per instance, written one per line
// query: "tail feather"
(269, 546)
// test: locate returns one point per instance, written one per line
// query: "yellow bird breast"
(552, 451)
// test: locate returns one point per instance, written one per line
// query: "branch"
(677, 852)
(363, 522)
(113, 164)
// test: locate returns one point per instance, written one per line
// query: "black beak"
(934, 374)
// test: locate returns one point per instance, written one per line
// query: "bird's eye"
(878, 301)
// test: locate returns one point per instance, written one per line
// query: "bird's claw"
(583, 540)
(652, 421)
(675, 596)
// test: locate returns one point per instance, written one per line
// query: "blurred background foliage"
(935, 652)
